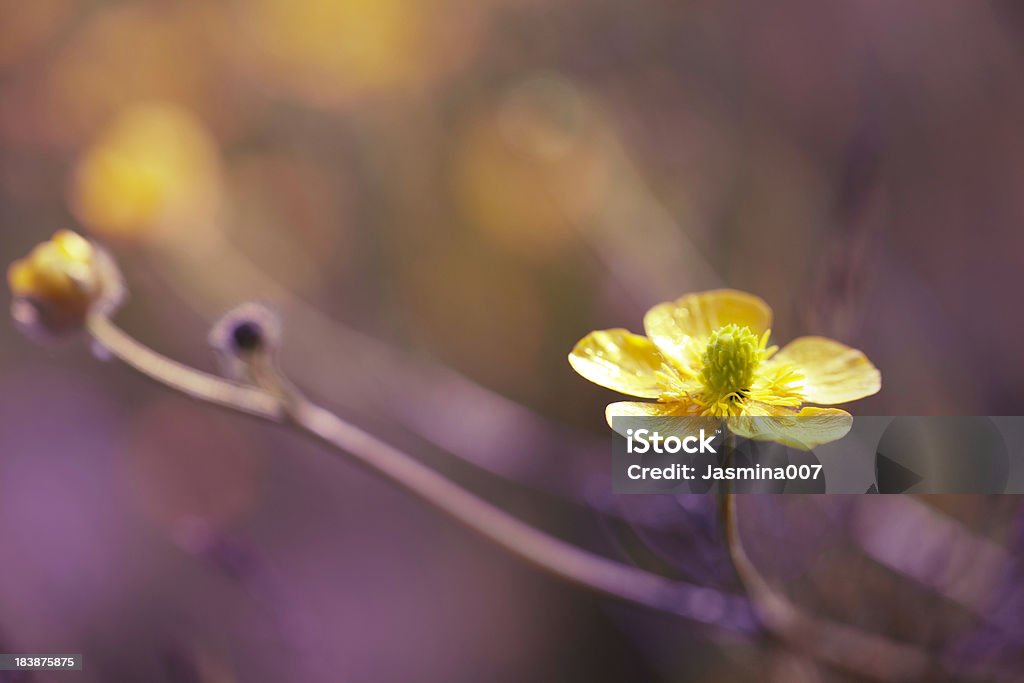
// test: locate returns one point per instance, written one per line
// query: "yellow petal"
(62, 279)
(806, 429)
(623, 361)
(689, 421)
(833, 372)
(698, 315)
(73, 246)
(21, 279)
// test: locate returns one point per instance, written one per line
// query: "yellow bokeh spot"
(532, 170)
(333, 50)
(154, 166)
(369, 41)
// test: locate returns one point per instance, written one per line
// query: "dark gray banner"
(818, 455)
(37, 662)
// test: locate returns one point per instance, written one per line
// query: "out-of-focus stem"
(563, 559)
(827, 642)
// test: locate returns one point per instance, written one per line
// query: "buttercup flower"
(60, 282)
(706, 355)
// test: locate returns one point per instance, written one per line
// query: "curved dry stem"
(837, 645)
(830, 643)
(276, 404)
(182, 378)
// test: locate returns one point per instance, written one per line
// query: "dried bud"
(245, 335)
(249, 328)
(60, 283)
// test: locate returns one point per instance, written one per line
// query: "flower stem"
(828, 642)
(558, 557)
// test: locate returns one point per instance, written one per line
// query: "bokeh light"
(155, 166)
(531, 168)
(334, 51)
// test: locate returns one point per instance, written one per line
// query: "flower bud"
(60, 283)
(244, 337)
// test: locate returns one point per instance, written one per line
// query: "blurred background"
(441, 197)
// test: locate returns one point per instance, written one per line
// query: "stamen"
(730, 362)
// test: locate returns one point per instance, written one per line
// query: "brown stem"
(831, 643)
(278, 404)
(828, 642)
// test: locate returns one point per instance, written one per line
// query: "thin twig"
(837, 645)
(182, 378)
(570, 562)
(828, 642)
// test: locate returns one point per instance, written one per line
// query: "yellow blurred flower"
(533, 170)
(57, 285)
(155, 165)
(329, 52)
(707, 355)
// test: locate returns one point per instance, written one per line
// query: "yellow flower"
(706, 355)
(60, 282)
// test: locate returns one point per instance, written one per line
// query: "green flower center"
(731, 359)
